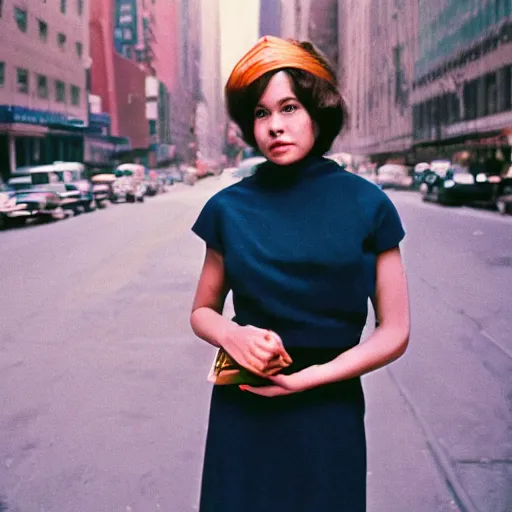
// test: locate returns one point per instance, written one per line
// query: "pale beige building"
(210, 117)
(44, 56)
(377, 49)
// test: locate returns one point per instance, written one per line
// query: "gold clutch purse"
(225, 370)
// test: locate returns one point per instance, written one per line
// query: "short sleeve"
(388, 229)
(208, 225)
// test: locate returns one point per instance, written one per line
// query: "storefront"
(34, 137)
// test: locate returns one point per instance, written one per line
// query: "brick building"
(44, 49)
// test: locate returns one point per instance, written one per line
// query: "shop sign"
(16, 114)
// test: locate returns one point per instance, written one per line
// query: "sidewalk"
(402, 475)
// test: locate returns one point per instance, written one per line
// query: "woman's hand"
(302, 380)
(259, 350)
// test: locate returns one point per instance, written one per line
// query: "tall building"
(44, 56)
(377, 49)
(185, 90)
(210, 117)
(270, 18)
(117, 80)
(316, 22)
(462, 84)
(294, 19)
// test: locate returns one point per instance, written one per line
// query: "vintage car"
(74, 176)
(103, 188)
(45, 178)
(456, 185)
(394, 176)
(20, 202)
(130, 185)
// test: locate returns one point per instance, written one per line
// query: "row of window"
(484, 96)
(20, 16)
(42, 86)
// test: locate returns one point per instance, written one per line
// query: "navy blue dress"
(299, 246)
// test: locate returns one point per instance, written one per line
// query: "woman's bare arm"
(206, 319)
(390, 339)
(258, 350)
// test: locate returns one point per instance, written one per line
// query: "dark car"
(457, 185)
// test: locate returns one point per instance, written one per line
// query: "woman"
(303, 245)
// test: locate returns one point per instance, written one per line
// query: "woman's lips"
(279, 148)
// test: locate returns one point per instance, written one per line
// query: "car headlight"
(481, 178)
(449, 183)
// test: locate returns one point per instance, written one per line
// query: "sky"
(239, 21)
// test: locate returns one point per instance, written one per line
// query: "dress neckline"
(281, 176)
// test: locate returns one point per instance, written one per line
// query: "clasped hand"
(262, 352)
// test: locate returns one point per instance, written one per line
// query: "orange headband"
(269, 54)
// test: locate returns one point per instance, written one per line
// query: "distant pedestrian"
(303, 245)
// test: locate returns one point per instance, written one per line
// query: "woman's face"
(283, 129)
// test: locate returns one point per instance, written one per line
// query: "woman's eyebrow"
(280, 102)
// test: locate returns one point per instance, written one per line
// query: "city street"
(103, 391)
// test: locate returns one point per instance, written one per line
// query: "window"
(42, 86)
(20, 16)
(63, 6)
(61, 40)
(22, 80)
(75, 95)
(79, 48)
(43, 31)
(80, 7)
(2, 74)
(60, 91)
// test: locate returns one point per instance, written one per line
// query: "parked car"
(456, 185)
(68, 180)
(103, 188)
(131, 185)
(20, 202)
(74, 176)
(394, 176)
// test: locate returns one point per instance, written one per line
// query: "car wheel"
(424, 191)
(501, 206)
(89, 206)
(58, 213)
(435, 194)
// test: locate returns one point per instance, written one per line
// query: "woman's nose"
(275, 125)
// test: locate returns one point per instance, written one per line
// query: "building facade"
(270, 18)
(377, 49)
(44, 57)
(462, 86)
(118, 81)
(210, 116)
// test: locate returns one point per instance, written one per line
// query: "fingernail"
(242, 388)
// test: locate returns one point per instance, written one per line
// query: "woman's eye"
(289, 108)
(259, 114)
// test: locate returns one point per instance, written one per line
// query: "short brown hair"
(319, 97)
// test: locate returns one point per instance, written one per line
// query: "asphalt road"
(103, 397)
